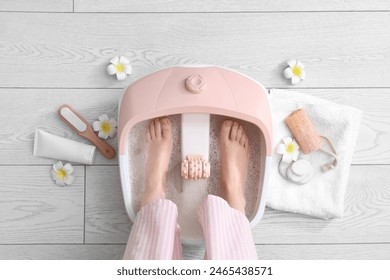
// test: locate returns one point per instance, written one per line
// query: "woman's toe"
(152, 133)
(166, 127)
(226, 128)
(233, 132)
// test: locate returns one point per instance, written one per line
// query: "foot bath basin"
(196, 99)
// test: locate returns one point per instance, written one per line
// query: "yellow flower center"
(120, 68)
(297, 71)
(290, 148)
(61, 173)
(106, 127)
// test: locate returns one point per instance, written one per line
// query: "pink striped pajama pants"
(155, 234)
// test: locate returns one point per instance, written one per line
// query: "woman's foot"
(160, 141)
(234, 146)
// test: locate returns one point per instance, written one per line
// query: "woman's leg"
(155, 233)
(225, 227)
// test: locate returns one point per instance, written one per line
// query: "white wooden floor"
(55, 52)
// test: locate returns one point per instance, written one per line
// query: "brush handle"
(88, 133)
(103, 147)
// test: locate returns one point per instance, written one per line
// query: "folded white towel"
(323, 196)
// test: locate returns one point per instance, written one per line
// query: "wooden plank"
(61, 252)
(310, 252)
(324, 252)
(375, 124)
(366, 218)
(106, 220)
(227, 6)
(72, 50)
(17, 134)
(79, 252)
(35, 210)
(22, 111)
(264, 252)
(37, 5)
(367, 212)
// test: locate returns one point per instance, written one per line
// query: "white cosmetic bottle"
(48, 145)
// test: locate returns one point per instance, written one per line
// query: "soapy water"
(187, 194)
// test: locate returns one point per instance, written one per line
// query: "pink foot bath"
(197, 99)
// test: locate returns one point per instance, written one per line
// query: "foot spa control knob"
(195, 167)
(195, 84)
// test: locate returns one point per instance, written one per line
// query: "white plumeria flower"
(119, 66)
(61, 174)
(105, 126)
(289, 149)
(295, 71)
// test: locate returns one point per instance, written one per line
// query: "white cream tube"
(52, 146)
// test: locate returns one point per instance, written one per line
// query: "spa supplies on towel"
(300, 171)
(303, 130)
(323, 196)
(308, 139)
